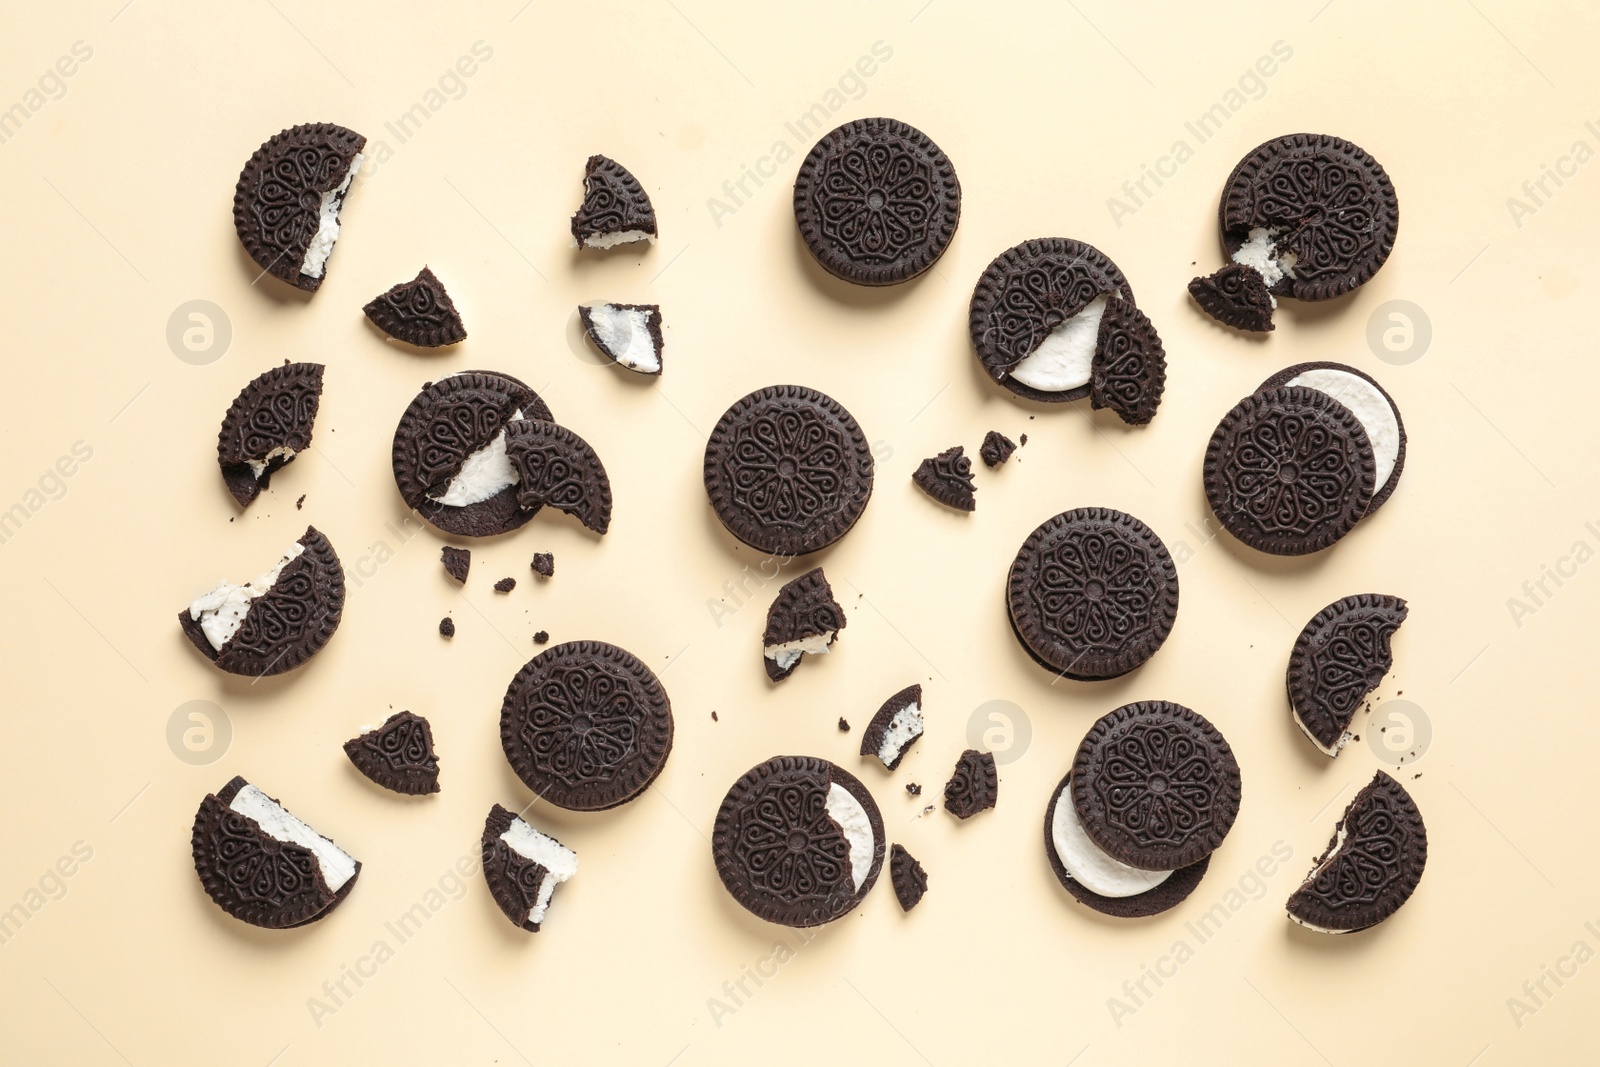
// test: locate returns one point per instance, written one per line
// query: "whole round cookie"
(449, 454)
(586, 725)
(1372, 406)
(1289, 471)
(1092, 594)
(1026, 294)
(788, 470)
(1156, 785)
(1324, 207)
(877, 202)
(798, 841)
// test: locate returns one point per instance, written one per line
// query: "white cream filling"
(611, 240)
(1259, 252)
(1087, 863)
(221, 612)
(1344, 738)
(1064, 360)
(904, 728)
(259, 466)
(845, 810)
(1367, 404)
(1337, 845)
(483, 474)
(321, 245)
(624, 334)
(788, 653)
(338, 867)
(559, 862)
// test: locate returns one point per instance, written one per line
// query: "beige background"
(117, 196)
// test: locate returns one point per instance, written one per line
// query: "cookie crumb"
(298, 504)
(996, 448)
(447, 627)
(914, 788)
(505, 585)
(713, 716)
(457, 562)
(844, 726)
(544, 564)
(541, 637)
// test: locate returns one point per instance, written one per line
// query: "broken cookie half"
(910, 881)
(556, 467)
(615, 210)
(895, 728)
(629, 335)
(522, 867)
(975, 785)
(1371, 866)
(286, 205)
(418, 312)
(947, 478)
(804, 619)
(1342, 655)
(398, 755)
(267, 425)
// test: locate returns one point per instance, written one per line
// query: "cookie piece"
(1155, 785)
(1371, 866)
(844, 725)
(505, 585)
(615, 210)
(1035, 316)
(1370, 404)
(447, 627)
(457, 562)
(286, 205)
(803, 619)
(544, 564)
(1236, 296)
(266, 426)
(418, 312)
(586, 725)
(947, 478)
(877, 202)
(629, 335)
(895, 728)
(555, 466)
(996, 448)
(1289, 471)
(522, 867)
(974, 787)
(1341, 656)
(449, 454)
(262, 865)
(910, 881)
(1092, 594)
(1129, 370)
(798, 841)
(398, 755)
(788, 470)
(277, 620)
(541, 637)
(1101, 882)
(914, 789)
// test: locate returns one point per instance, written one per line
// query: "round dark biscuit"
(1169, 894)
(1376, 869)
(398, 755)
(586, 725)
(558, 468)
(778, 852)
(1129, 371)
(1156, 785)
(1092, 593)
(1026, 292)
(1340, 656)
(974, 786)
(1289, 374)
(277, 205)
(788, 470)
(1289, 471)
(877, 202)
(419, 312)
(1334, 201)
(444, 424)
(276, 409)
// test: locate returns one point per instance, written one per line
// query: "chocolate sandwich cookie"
(1371, 866)
(975, 785)
(1092, 594)
(277, 620)
(1289, 471)
(418, 312)
(586, 726)
(557, 467)
(267, 425)
(615, 210)
(788, 470)
(1155, 785)
(286, 205)
(804, 619)
(996, 448)
(1128, 373)
(522, 867)
(1341, 656)
(629, 335)
(457, 561)
(1374, 408)
(1315, 216)
(398, 755)
(910, 881)
(1236, 296)
(798, 841)
(947, 478)
(895, 728)
(262, 865)
(449, 454)
(1100, 882)
(877, 202)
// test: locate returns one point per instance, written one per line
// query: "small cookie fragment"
(266, 426)
(522, 867)
(1341, 656)
(447, 627)
(844, 725)
(895, 728)
(398, 755)
(555, 466)
(914, 788)
(418, 312)
(615, 210)
(457, 562)
(286, 205)
(947, 478)
(541, 637)
(996, 448)
(975, 785)
(1236, 296)
(1129, 370)
(505, 585)
(629, 335)
(1371, 866)
(544, 564)
(910, 881)
(803, 619)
